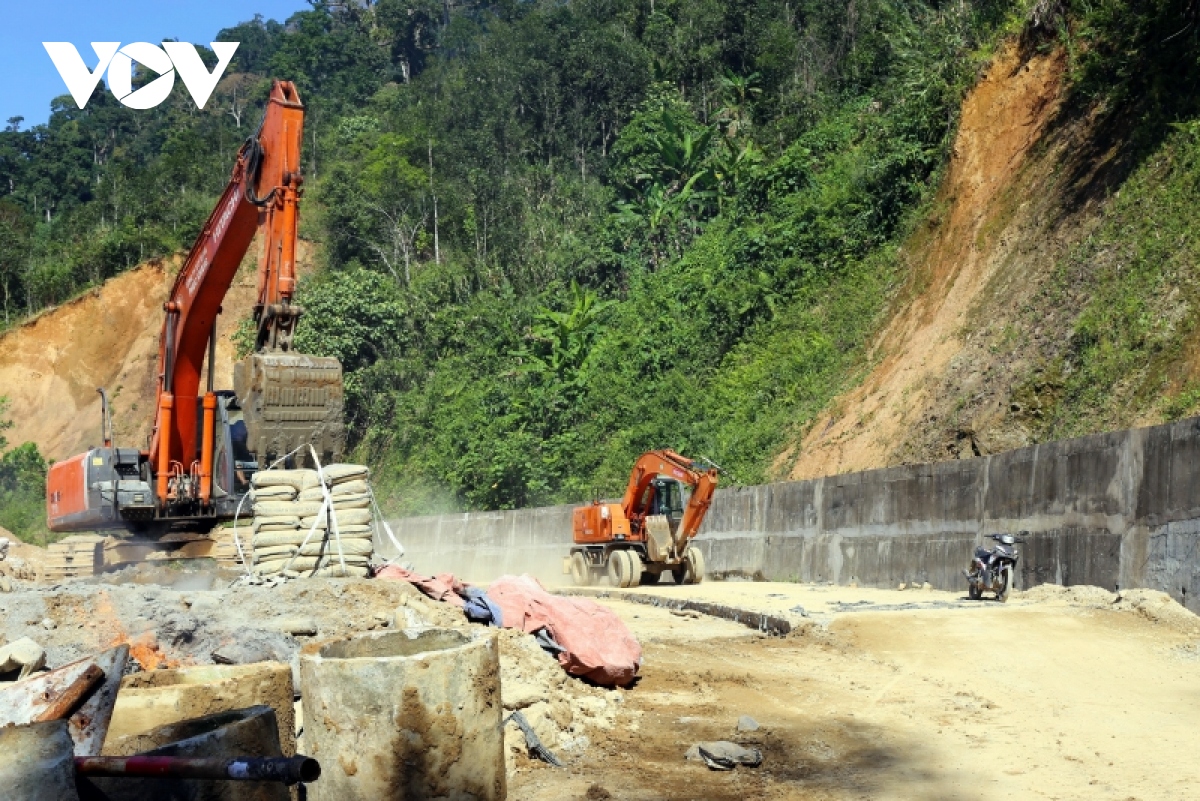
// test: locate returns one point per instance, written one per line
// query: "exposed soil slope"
(51, 366)
(975, 255)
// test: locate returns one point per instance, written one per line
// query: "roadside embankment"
(1115, 509)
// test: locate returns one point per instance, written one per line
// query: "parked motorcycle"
(993, 569)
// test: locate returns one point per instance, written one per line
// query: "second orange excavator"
(650, 532)
(206, 444)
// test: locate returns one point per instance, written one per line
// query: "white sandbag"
(281, 508)
(341, 473)
(349, 517)
(275, 522)
(353, 487)
(356, 530)
(351, 546)
(294, 537)
(312, 494)
(341, 502)
(274, 492)
(298, 479)
(269, 552)
(335, 571)
(304, 564)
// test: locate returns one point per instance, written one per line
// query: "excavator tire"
(581, 574)
(616, 566)
(632, 575)
(693, 565)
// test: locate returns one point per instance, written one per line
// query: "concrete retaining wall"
(1121, 508)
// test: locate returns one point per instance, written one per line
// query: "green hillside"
(555, 234)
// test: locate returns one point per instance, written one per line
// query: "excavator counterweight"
(206, 443)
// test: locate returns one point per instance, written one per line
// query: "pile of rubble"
(201, 620)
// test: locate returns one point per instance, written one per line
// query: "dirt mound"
(1155, 606)
(51, 366)
(975, 246)
(1158, 607)
(1077, 595)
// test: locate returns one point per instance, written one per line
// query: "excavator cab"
(667, 500)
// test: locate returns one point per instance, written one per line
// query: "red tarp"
(597, 644)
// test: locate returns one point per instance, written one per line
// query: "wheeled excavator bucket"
(290, 400)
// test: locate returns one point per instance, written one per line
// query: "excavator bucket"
(290, 400)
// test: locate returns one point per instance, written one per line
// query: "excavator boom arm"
(263, 190)
(669, 463)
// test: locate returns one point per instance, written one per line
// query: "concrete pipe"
(37, 762)
(410, 714)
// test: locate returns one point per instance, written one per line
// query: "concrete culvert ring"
(405, 714)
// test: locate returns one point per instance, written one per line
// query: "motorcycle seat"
(982, 553)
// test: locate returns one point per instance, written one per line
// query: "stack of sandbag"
(298, 533)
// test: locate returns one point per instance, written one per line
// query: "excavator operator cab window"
(668, 499)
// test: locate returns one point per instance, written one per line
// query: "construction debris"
(24, 655)
(83, 693)
(724, 755)
(36, 762)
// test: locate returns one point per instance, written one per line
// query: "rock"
(724, 755)
(24, 654)
(902, 586)
(48, 624)
(6, 584)
(518, 694)
(3, 548)
(296, 626)
(927, 586)
(799, 610)
(747, 723)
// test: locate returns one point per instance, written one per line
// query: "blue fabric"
(480, 609)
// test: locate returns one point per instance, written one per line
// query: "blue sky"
(28, 79)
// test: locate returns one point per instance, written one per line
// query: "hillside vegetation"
(553, 235)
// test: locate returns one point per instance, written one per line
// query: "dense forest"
(556, 233)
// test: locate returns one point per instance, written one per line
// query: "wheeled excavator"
(650, 531)
(207, 444)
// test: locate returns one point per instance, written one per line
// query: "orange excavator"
(650, 531)
(206, 445)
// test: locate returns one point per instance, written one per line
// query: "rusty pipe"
(288, 770)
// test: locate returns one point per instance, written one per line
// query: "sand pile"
(1155, 606)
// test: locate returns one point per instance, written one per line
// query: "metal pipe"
(288, 770)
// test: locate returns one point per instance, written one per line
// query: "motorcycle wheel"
(1005, 585)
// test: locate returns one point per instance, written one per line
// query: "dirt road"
(1054, 696)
